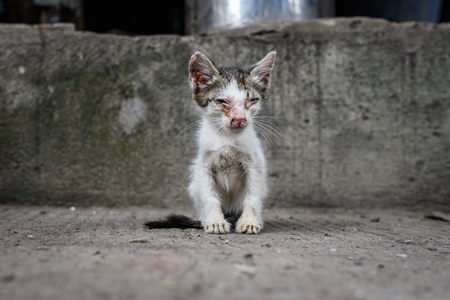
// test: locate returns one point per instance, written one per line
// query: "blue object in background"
(403, 10)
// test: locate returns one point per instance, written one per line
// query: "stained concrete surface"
(101, 253)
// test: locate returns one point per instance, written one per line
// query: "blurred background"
(142, 17)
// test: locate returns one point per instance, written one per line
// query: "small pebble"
(357, 262)
(8, 278)
(139, 241)
(248, 270)
(41, 248)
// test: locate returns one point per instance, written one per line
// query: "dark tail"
(183, 222)
(174, 221)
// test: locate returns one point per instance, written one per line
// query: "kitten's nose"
(238, 122)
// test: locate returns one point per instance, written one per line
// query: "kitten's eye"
(250, 102)
(221, 101)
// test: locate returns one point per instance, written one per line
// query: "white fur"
(232, 92)
(234, 188)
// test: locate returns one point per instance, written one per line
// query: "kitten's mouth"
(238, 127)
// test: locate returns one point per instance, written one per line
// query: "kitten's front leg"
(251, 219)
(207, 202)
(212, 216)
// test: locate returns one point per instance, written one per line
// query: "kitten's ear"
(260, 73)
(201, 71)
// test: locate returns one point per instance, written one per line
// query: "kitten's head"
(229, 97)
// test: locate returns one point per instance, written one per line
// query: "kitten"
(228, 176)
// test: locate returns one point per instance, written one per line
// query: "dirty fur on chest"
(229, 170)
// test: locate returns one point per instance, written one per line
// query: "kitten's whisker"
(270, 124)
(261, 132)
(273, 133)
(271, 140)
(188, 127)
(274, 127)
(193, 124)
(272, 137)
(280, 142)
(268, 121)
(189, 143)
(218, 127)
(269, 136)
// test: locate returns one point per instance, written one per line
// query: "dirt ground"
(101, 253)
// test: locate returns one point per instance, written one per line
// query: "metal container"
(205, 15)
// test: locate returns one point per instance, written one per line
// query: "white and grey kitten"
(228, 176)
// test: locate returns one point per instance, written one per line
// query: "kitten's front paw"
(248, 226)
(217, 227)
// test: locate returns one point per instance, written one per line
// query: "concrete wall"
(363, 106)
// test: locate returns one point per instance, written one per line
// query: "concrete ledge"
(363, 106)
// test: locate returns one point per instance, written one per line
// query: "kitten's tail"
(174, 221)
(183, 222)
